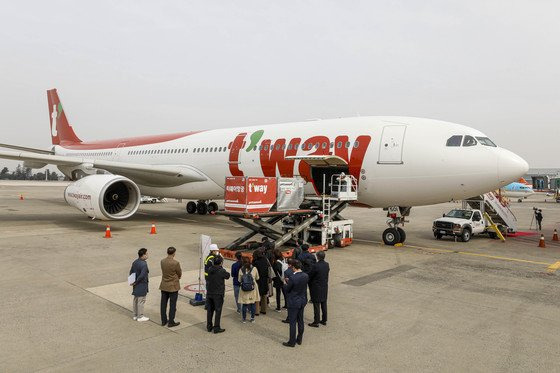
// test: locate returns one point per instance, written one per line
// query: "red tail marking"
(61, 131)
(275, 156)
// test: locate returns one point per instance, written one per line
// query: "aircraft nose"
(511, 166)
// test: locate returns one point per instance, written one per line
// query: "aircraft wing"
(149, 175)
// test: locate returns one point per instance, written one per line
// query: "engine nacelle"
(105, 197)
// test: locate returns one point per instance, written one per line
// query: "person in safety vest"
(209, 261)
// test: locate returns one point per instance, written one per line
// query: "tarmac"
(431, 305)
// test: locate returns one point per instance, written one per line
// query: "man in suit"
(319, 287)
(140, 285)
(296, 294)
(215, 291)
(169, 286)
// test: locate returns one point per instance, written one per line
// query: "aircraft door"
(391, 146)
(116, 151)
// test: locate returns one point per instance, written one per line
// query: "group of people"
(169, 286)
(255, 282)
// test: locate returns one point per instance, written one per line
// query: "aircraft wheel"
(212, 207)
(520, 200)
(191, 207)
(201, 208)
(391, 236)
(402, 233)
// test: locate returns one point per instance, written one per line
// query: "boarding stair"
(498, 210)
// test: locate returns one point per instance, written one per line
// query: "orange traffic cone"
(108, 232)
(21, 197)
(153, 230)
(555, 236)
(541, 241)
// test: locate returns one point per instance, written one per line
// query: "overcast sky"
(143, 67)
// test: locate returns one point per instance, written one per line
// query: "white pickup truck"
(461, 223)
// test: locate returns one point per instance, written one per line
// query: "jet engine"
(105, 197)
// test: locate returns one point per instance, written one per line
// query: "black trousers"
(172, 298)
(295, 315)
(279, 292)
(539, 223)
(214, 303)
(317, 309)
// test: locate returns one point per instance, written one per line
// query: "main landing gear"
(201, 207)
(395, 234)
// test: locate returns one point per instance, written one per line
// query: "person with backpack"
(306, 259)
(279, 265)
(248, 290)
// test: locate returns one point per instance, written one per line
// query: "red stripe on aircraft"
(126, 142)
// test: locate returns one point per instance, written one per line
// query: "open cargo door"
(322, 168)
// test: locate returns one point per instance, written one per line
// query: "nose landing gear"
(395, 234)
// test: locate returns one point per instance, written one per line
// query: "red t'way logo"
(273, 155)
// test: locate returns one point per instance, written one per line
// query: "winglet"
(61, 131)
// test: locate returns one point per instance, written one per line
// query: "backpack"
(308, 262)
(247, 281)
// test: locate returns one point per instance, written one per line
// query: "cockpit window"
(485, 141)
(454, 140)
(469, 141)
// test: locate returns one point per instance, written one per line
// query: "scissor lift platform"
(264, 224)
(320, 223)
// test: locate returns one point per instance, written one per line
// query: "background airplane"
(517, 190)
(390, 156)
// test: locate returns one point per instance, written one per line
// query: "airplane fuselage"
(397, 160)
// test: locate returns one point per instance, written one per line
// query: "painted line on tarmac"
(472, 254)
(553, 267)
(191, 220)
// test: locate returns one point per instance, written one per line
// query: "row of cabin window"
(157, 151)
(98, 154)
(290, 146)
(456, 140)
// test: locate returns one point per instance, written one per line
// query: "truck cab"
(463, 223)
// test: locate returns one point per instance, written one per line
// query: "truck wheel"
(191, 207)
(391, 236)
(402, 233)
(466, 235)
(437, 235)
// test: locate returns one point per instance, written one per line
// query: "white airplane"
(398, 161)
(518, 190)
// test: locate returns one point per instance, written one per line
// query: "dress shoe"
(299, 342)
(324, 323)
(209, 328)
(286, 321)
(172, 324)
(218, 330)
(163, 323)
(313, 324)
(288, 344)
